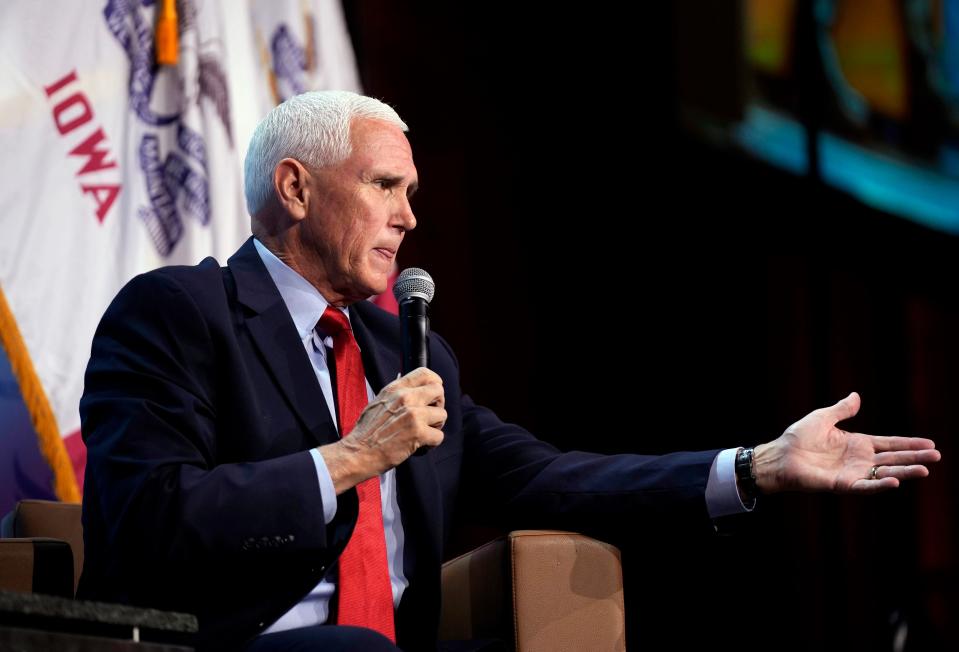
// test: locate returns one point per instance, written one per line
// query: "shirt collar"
(305, 303)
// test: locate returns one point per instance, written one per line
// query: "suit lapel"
(380, 364)
(274, 335)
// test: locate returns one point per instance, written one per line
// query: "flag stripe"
(23, 471)
(44, 423)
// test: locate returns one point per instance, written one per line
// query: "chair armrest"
(48, 518)
(543, 590)
(36, 565)
(476, 595)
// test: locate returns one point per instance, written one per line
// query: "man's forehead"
(380, 148)
(375, 135)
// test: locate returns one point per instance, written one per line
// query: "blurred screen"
(871, 88)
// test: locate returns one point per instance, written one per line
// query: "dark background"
(588, 250)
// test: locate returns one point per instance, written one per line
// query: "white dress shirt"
(306, 306)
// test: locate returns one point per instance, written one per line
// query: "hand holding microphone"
(414, 290)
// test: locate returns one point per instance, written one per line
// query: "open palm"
(814, 454)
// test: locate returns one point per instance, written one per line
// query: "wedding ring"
(872, 473)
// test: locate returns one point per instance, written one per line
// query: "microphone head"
(413, 282)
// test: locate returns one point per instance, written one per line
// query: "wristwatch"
(746, 475)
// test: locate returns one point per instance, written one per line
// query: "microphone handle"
(415, 338)
(415, 334)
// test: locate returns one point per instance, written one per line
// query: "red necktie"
(365, 594)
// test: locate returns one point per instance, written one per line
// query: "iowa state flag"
(111, 165)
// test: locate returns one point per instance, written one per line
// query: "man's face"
(362, 211)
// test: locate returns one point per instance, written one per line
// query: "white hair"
(314, 129)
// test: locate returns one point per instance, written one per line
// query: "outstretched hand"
(814, 454)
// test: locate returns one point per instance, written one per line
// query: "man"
(218, 481)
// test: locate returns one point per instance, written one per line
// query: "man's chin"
(376, 289)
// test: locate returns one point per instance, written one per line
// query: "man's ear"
(291, 185)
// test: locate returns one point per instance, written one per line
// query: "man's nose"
(405, 217)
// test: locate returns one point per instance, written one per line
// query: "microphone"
(413, 290)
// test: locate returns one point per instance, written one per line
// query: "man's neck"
(293, 256)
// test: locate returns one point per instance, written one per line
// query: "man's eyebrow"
(394, 179)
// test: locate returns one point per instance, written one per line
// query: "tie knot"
(333, 322)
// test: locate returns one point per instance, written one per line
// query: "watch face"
(744, 464)
(745, 477)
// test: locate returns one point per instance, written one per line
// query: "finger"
(432, 394)
(440, 400)
(902, 472)
(894, 458)
(433, 437)
(901, 443)
(434, 416)
(402, 391)
(865, 486)
(846, 408)
(417, 377)
(415, 420)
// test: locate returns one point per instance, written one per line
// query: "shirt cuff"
(327, 491)
(722, 495)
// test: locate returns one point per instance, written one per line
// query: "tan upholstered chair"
(535, 589)
(540, 590)
(34, 534)
(51, 521)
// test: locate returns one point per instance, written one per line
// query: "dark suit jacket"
(199, 410)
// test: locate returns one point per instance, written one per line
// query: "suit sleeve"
(527, 482)
(149, 415)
